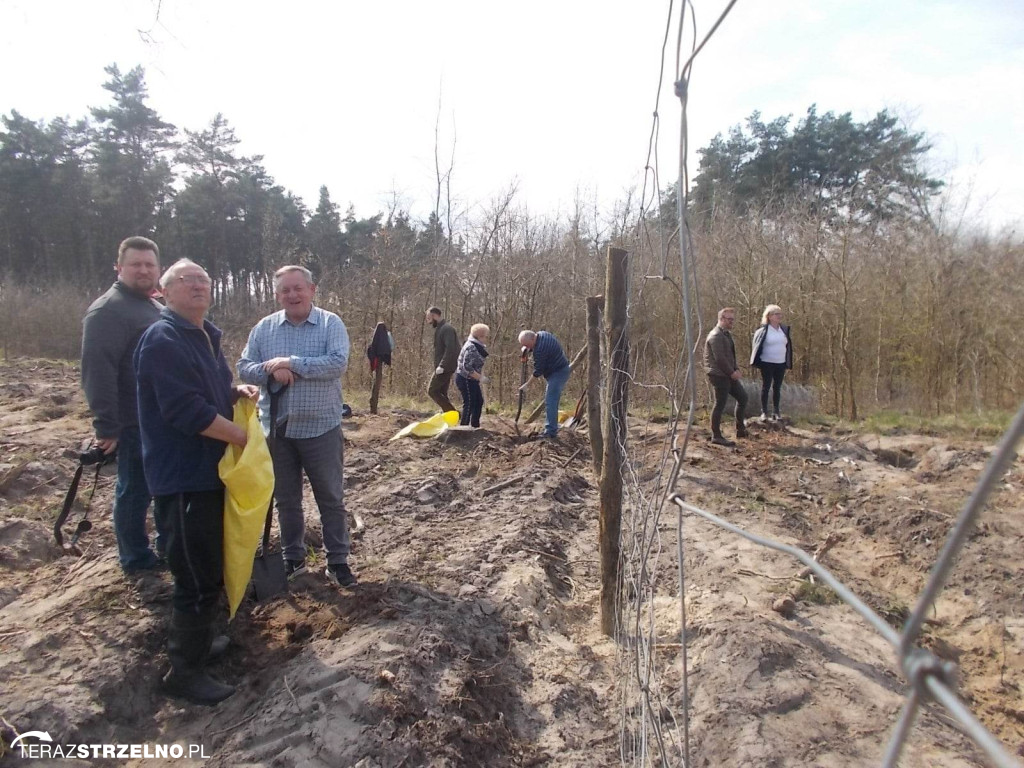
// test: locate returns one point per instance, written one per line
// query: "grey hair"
(771, 309)
(288, 270)
(174, 269)
(477, 329)
(527, 336)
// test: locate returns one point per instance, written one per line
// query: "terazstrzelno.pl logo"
(40, 745)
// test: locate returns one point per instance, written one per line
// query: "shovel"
(577, 416)
(268, 575)
(524, 358)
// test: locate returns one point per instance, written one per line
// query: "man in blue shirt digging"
(549, 361)
(306, 348)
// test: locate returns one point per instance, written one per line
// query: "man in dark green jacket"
(446, 358)
(110, 332)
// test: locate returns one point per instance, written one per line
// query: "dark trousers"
(772, 375)
(194, 524)
(438, 391)
(723, 388)
(131, 503)
(472, 400)
(323, 460)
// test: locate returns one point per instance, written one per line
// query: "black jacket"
(755, 348)
(379, 350)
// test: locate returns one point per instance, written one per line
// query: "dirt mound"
(25, 545)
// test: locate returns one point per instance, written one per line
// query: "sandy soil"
(473, 638)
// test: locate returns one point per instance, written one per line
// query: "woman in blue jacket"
(772, 352)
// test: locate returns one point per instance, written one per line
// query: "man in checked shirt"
(307, 348)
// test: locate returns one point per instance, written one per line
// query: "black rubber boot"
(188, 646)
(218, 647)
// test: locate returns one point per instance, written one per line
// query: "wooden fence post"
(594, 380)
(616, 295)
(375, 393)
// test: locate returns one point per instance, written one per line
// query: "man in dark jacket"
(110, 331)
(549, 361)
(724, 375)
(446, 358)
(185, 418)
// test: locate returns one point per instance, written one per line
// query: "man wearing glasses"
(110, 331)
(185, 410)
(305, 348)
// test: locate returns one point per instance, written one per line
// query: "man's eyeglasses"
(202, 280)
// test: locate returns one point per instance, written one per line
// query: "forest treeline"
(892, 303)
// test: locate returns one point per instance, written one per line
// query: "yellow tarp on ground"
(248, 475)
(431, 427)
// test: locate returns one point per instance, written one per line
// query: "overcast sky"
(556, 94)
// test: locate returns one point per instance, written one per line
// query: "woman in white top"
(772, 352)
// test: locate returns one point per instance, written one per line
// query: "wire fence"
(655, 713)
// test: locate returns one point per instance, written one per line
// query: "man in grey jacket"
(724, 375)
(110, 333)
(446, 358)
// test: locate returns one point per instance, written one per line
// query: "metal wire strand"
(996, 468)
(902, 730)
(972, 727)
(820, 571)
(699, 48)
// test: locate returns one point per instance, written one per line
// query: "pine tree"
(130, 153)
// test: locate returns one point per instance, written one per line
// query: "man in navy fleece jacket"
(549, 361)
(185, 410)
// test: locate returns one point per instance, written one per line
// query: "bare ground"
(472, 638)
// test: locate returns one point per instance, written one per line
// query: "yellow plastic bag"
(431, 427)
(248, 475)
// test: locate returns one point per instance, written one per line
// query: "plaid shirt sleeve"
(250, 364)
(334, 360)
